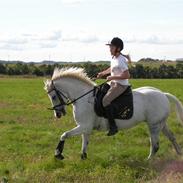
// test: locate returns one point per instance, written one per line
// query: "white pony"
(150, 105)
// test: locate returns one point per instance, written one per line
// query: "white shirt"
(118, 66)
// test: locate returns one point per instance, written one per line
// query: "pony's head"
(58, 98)
(58, 103)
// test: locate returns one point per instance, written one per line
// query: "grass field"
(29, 134)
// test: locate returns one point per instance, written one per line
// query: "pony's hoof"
(59, 156)
(83, 156)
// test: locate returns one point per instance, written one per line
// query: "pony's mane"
(72, 72)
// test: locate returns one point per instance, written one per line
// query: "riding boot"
(112, 124)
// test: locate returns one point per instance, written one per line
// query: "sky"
(77, 30)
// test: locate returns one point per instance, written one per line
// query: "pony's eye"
(54, 97)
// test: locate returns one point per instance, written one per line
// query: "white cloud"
(9, 42)
(46, 40)
(54, 41)
(82, 38)
(72, 1)
(14, 41)
(48, 44)
(12, 47)
(27, 41)
(48, 36)
(154, 39)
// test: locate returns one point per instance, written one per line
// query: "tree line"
(137, 71)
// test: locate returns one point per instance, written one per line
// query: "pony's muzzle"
(58, 114)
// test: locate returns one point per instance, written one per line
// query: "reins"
(63, 103)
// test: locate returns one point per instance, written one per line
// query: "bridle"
(61, 95)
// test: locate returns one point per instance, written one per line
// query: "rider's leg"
(115, 90)
(113, 129)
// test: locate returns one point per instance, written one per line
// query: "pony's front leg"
(60, 147)
(85, 141)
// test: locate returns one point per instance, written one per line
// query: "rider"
(119, 75)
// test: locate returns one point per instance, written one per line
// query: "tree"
(92, 69)
(2, 69)
(140, 73)
(179, 69)
(38, 72)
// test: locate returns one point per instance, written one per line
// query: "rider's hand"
(109, 78)
(100, 74)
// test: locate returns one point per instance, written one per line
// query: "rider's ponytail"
(128, 58)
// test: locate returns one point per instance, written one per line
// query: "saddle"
(122, 106)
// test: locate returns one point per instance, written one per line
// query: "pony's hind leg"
(154, 139)
(169, 134)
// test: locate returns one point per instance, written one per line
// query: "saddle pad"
(122, 106)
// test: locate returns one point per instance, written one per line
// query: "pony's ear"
(46, 83)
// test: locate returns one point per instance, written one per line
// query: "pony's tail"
(128, 57)
(178, 104)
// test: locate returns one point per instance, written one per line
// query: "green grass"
(29, 134)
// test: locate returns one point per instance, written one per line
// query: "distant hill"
(10, 62)
(144, 61)
(46, 62)
(155, 62)
(179, 59)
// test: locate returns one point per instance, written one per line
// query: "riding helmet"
(116, 42)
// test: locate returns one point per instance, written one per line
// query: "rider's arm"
(105, 72)
(123, 75)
